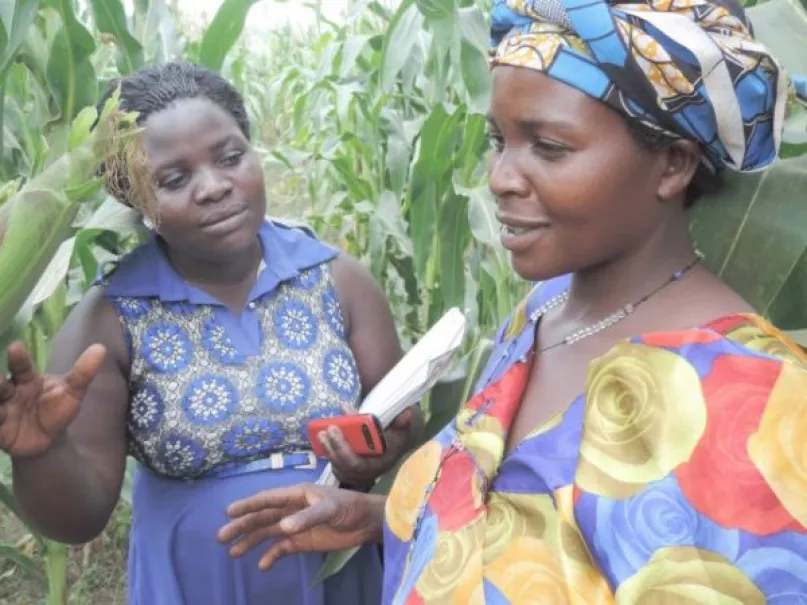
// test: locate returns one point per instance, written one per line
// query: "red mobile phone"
(362, 432)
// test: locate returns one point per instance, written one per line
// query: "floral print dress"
(679, 476)
(219, 404)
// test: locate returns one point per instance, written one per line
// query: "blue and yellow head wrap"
(686, 68)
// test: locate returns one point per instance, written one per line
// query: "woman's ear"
(682, 161)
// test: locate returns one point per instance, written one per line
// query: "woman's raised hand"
(35, 409)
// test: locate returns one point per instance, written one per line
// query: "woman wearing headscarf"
(638, 434)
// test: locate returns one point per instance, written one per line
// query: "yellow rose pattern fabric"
(678, 477)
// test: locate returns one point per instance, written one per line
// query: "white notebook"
(414, 375)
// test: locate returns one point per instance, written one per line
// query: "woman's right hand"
(35, 409)
(303, 518)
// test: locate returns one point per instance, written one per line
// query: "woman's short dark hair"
(154, 88)
(704, 181)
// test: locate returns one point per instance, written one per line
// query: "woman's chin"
(233, 244)
(532, 271)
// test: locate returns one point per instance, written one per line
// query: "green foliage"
(110, 19)
(372, 131)
(223, 32)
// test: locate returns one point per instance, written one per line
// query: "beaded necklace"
(606, 322)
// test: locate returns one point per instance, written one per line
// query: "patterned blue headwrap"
(686, 68)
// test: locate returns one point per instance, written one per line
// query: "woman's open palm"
(36, 408)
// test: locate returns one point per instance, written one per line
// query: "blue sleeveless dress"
(219, 404)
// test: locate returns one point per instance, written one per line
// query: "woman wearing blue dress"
(203, 354)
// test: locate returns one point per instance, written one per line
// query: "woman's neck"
(601, 290)
(229, 271)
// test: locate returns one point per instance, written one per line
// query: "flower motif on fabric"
(333, 312)
(252, 437)
(295, 325)
(341, 373)
(630, 531)
(131, 308)
(677, 570)
(721, 479)
(219, 345)
(283, 386)
(309, 278)
(209, 399)
(181, 456)
(777, 567)
(166, 347)
(645, 414)
(146, 409)
(777, 449)
(410, 489)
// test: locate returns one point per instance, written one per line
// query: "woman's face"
(574, 189)
(210, 189)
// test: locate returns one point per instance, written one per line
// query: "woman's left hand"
(352, 469)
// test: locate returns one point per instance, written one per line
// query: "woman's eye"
(548, 149)
(172, 182)
(231, 159)
(496, 141)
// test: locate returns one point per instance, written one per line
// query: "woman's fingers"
(251, 540)
(278, 550)
(84, 370)
(20, 365)
(242, 526)
(252, 530)
(259, 527)
(322, 512)
(339, 452)
(280, 498)
(403, 420)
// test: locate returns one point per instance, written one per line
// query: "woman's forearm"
(62, 495)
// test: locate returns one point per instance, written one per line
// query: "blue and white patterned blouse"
(210, 388)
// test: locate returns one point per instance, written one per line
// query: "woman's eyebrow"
(223, 142)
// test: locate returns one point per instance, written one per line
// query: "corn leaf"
(399, 42)
(110, 18)
(475, 77)
(756, 213)
(223, 32)
(17, 18)
(24, 562)
(70, 73)
(40, 216)
(334, 563)
(158, 34)
(431, 179)
(39, 223)
(782, 26)
(455, 235)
